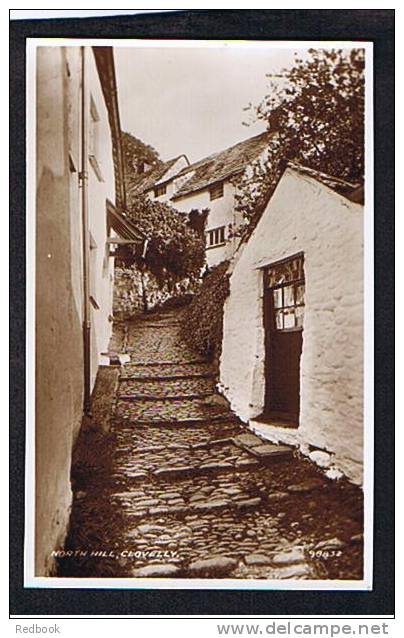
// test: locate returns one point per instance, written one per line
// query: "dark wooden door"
(283, 315)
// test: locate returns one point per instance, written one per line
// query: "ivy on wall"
(173, 247)
(202, 326)
(134, 150)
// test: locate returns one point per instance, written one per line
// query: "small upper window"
(160, 190)
(216, 191)
(142, 166)
(94, 140)
(286, 283)
(215, 237)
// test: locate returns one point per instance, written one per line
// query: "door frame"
(274, 417)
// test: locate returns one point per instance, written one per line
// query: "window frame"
(93, 139)
(293, 283)
(162, 187)
(216, 237)
(216, 191)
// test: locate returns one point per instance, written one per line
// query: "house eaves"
(123, 227)
(352, 191)
(104, 59)
(145, 182)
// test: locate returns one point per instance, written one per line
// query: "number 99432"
(324, 553)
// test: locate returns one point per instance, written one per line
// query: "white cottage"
(210, 183)
(80, 199)
(292, 357)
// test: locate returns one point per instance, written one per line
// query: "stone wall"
(136, 290)
(304, 216)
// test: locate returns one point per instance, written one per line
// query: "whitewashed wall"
(59, 282)
(303, 215)
(99, 190)
(221, 213)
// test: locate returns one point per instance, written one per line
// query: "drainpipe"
(86, 247)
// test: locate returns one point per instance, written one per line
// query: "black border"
(376, 25)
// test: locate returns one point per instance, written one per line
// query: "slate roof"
(222, 165)
(138, 184)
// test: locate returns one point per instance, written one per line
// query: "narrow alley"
(169, 483)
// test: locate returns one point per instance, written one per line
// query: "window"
(141, 165)
(286, 283)
(215, 237)
(216, 191)
(94, 140)
(160, 190)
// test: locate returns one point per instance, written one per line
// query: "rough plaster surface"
(304, 215)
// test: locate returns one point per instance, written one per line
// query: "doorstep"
(275, 431)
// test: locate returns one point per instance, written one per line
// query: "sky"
(191, 100)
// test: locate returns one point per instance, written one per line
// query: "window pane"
(216, 191)
(286, 272)
(300, 295)
(299, 311)
(277, 295)
(222, 235)
(278, 320)
(289, 319)
(288, 299)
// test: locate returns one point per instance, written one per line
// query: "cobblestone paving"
(171, 389)
(170, 493)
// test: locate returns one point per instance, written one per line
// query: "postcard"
(200, 318)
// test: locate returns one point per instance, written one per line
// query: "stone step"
(156, 362)
(261, 448)
(214, 467)
(167, 377)
(180, 460)
(155, 371)
(162, 412)
(177, 423)
(159, 397)
(149, 509)
(166, 389)
(177, 462)
(157, 324)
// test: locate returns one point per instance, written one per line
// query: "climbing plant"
(173, 247)
(135, 150)
(202, 326)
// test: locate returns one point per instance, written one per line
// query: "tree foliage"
(135, 150)
(315, 112)
(173, 246)
(197, 220)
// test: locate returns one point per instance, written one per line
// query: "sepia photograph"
(200, 352)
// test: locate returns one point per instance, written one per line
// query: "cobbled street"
(169, 483)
